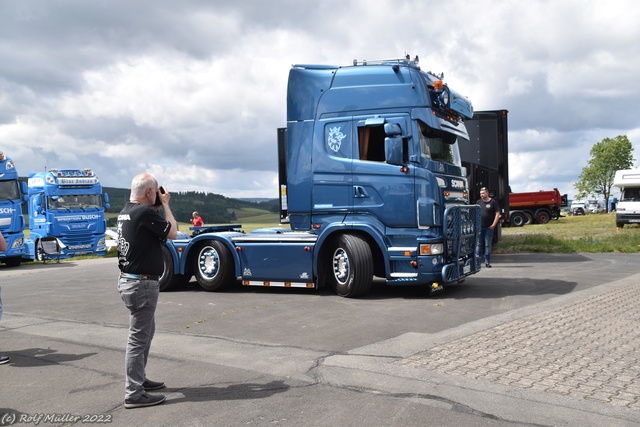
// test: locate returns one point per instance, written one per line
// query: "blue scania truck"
(67, 204)
(12, 194)
(371, 184)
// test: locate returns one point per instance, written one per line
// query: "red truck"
(535, 206)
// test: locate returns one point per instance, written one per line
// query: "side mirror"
(393, 150)
(38, 203)
(23, 190)
(392, 129)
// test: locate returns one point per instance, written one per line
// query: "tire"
(517, 219)
(528, 218)
(350, 266)
(543, 216)
(213, 266)
(13, 261)
(620, 224)
(170, 281)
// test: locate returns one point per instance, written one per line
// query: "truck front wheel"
(351, 266)
(13, 261)
(213, 265)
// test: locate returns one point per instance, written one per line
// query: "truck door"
(381, 189)
(331, 164)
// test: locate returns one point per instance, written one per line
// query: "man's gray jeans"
(141, 298)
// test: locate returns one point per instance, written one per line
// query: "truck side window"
(371, 143)
(337, 137)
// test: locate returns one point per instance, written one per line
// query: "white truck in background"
(628, 207)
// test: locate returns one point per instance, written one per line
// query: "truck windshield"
(9, 190)
(438, 146)
(80, 201)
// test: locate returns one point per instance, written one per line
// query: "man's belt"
(139, 276)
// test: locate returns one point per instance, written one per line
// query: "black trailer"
(485, 156)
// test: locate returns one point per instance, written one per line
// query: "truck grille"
(462, 231)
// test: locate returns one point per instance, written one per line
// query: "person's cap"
(484, 189)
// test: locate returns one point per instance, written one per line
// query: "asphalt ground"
(544, 340)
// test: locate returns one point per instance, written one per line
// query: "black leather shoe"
(152, 385)
(4, 359)
(144, 400)
(488, 265)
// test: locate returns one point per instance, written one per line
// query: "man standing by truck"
(490, 218)
(141, 233)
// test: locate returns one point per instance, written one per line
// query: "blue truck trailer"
(67, 204)
(12, 194)
(371, 184)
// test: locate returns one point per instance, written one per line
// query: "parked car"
(578, 207)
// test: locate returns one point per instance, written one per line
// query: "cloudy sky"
(193, 91)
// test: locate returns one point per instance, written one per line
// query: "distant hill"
(213, 208)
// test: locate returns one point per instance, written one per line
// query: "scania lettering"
(67, 204)
(12, 194)
(371, 184)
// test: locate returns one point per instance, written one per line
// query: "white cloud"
(194, 91)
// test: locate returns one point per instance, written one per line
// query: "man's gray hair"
(140, 184)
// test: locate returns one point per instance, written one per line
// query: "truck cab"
(12, 195)
(628, 206)
(67, 204)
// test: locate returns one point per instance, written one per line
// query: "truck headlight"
(431, 249)
(17, 243)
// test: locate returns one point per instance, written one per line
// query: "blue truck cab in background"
(67, 204)
(12, 194)
(371, 184)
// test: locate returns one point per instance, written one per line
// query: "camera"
(158, 202)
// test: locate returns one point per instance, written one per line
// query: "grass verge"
(585, 233)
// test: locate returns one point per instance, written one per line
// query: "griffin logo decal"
(335, 138)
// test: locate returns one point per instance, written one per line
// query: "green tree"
(607, 156)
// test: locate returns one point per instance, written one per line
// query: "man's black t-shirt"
(489, 210)
(141, 234)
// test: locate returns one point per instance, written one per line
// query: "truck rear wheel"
(213, 265)
(543, 216)
(169, 281)
(351, 266)
(528, 218)
(517, 219)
